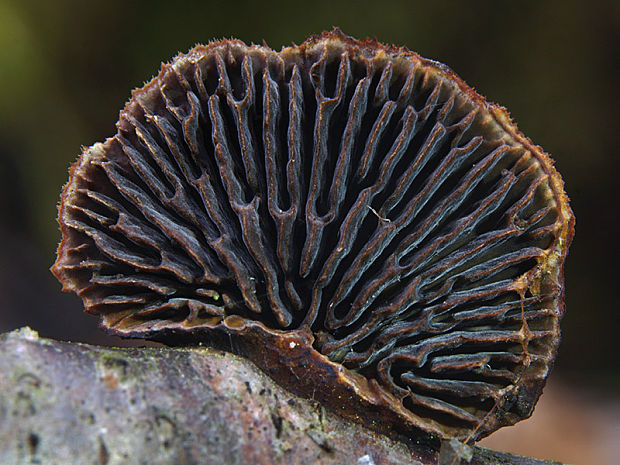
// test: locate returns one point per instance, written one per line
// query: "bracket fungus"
(350, 216)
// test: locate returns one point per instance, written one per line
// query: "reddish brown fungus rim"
(367, 400)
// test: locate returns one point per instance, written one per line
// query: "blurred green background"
(67, 68)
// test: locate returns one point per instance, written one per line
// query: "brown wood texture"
(64, 403)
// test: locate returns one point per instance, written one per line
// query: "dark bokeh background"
(67, 68)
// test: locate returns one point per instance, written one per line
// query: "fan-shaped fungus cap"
(355, 218)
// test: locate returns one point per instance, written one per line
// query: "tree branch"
(68, 403)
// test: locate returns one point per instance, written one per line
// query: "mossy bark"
(64, 403)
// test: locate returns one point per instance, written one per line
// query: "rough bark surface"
(68, 403)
